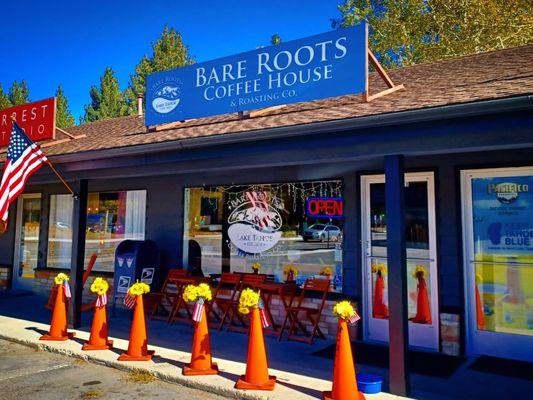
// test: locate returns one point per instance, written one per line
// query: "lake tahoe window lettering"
(228, 80)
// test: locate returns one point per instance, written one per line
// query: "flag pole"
(54, 169)
(61, 178)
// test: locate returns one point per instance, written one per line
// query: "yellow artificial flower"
(99, 286)
(60, 278)
(290, 268)
(344, 309)
(326, 271)
(420, 270)
(379, 267)
(256, 266)
(204, 291)
(249, 299)
(190, 294)
(193, 293)
(138, 289)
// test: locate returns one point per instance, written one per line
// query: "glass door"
(27, 240)
(422, 295)
(498, 248)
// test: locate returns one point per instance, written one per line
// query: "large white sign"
(255, 222)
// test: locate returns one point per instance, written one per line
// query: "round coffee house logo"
(255, 222)
(507, 192)
(167, 95)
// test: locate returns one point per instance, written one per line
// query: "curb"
(187, 382)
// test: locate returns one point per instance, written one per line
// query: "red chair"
(163, 302)
(225, 293)
(313, 314)
(248, 281)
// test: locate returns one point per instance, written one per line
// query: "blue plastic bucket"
(368, 383)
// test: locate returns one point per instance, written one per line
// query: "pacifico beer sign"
(38, 119)
(326, 65)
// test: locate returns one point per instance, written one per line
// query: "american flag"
(101, 300)
(130, 300)
(265, 322)
(354, 318)
(198, 310)
(68, 294)
(23, 158)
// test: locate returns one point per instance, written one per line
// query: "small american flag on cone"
(354, 318)
(68, 294)
(130, 301)
(198, 310)
(265, 322)
(101, 300)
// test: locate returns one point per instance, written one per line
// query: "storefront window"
(503, 253)
(111, 218)
(276, 226)
(417, 249)
(60, 231)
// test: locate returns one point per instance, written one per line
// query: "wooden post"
(79, 224)
(397, 275)
(383, 75)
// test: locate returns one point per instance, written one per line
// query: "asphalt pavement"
(27, 373)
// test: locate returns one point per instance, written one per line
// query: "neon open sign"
(325, 207)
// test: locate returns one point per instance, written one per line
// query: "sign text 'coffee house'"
(326, 65)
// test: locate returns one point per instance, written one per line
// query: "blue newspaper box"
(136, 260)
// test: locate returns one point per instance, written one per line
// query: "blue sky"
(48, 43)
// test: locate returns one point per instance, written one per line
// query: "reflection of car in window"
(62, 225)
(322, 233)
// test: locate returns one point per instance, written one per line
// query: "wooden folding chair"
(225, 293)
(248, 281)
(163, 301)
(320, 286)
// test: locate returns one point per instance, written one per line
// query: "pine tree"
(107, 101)
(64, 118)
(415, 31)
(19, 93)
(4, 99)
(168, 52)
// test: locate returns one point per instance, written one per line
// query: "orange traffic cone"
(98, 339)
(344, 380)
(138, 346)
(423, 313)
(256, 377)
(201, 363)
(479, 311)
(379, 309)
(58, 326)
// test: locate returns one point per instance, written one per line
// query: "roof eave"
(462, 110)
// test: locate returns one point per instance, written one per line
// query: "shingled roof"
(485, 76)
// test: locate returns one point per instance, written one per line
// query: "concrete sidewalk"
(168, 363)
(300, 374)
